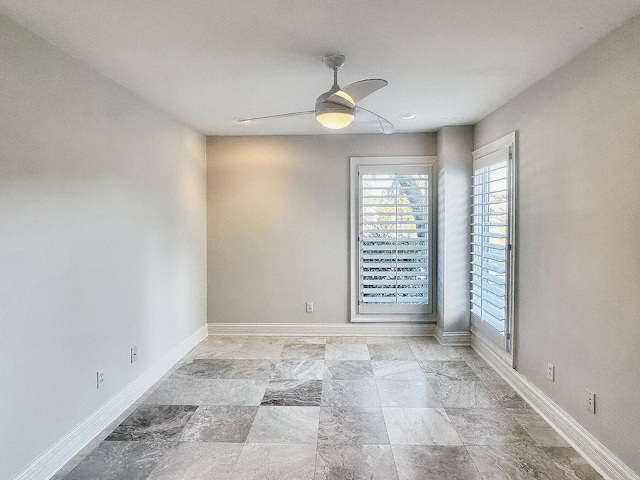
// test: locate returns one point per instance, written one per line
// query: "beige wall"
(578, 281)
(102, 241)
(278, 223)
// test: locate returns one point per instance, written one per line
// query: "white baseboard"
(599, 456)
(453, 339)
(52, 459)
(323, 329)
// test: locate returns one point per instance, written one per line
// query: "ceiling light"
(334, 116)
(334, 120)
(407, 116)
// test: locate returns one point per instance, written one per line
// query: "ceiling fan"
(338, 107)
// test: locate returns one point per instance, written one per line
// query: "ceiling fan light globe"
(334, 120)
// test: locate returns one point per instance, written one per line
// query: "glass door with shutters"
(391, 239)
(492, 244)
(394, 239)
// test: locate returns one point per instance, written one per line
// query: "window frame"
(384, 162)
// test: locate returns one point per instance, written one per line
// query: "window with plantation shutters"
(391, 226)
(492, 244)
(489, 244)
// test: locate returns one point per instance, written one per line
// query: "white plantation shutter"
(490, 242)
(394, 239)
(493, 244)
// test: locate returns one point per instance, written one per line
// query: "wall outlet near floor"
(309, 307)
(591, 401)
(99, 378)
(551, 372)
(134, 353)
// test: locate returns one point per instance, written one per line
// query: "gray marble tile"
(222, 350)
(419, 426)
(341, 339)
(259, 461)
(355, 462)
(407, 393)
(220, 343)
(198, 461)
(153, 422)
(507, 395)
(224, 339)
(143, 398)
(538, 428)
(398, 370)
(285, 425)
(452, 370)
(571, 463)
(350, 393)
(419, 462)
(303, 351)
(423, 340)
(382, 340)
(466, 350)
(471, 356)
(179, 391)
(267, 339)
(253, 341)
(347, 351)
(348, 437)
(306, 340)
(215, 369)
(259, 351)
(432, 351)
(486, 374)
(235, 392)
(483, 426)
(120, 460)
(464, 394)
(298, 370)
(225, 424)
(92, 445)
(514, 462)
(390, 351)
(293, 393)
(352, 425)
(347, 370)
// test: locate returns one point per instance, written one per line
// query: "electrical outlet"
(100, 378)
(591, 401)
(551, 372)
(134, 353)
(309, 307)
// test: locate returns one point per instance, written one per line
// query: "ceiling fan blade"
(294, 114)
(365, 117)
(357, 91)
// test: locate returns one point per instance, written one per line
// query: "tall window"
(489, 244)
(391, 239)
(492, 242)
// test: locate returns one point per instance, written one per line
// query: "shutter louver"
(394, 241)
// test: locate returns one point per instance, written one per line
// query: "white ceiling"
(450, 62)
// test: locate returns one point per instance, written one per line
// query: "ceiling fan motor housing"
(333, 115)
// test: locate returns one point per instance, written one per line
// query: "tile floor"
(298, 408)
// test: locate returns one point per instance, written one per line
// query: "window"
(391, 242)
(489, 244)
(492, 242)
